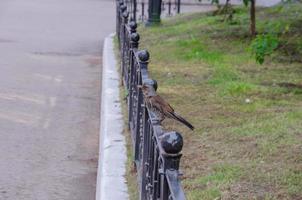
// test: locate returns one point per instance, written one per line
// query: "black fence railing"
(156, 153)
(139, 8)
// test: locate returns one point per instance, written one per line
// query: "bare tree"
(253, 18)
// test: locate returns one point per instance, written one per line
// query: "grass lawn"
(248, 117)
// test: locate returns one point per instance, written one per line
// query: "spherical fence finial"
(172, 142)
(123, 8)
(143, 55)
(151, 82)
(135, 37)
(133, 26)
(126, 14)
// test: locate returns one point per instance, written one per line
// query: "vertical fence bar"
(122, 9)
(144, 163)
(134, 9)
(169, 8)
(131, 85)
(125, 16)
(143, 57)
(143, 10)
(178, 6)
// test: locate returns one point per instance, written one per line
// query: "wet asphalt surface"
(50, 71)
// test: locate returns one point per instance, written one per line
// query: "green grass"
(212, 193)
(293, 181)
(220, 176)
(248, 141)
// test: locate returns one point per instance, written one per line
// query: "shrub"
(264, 45)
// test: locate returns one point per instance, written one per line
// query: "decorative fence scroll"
(156, 153)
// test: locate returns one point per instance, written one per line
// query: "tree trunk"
(253, 18)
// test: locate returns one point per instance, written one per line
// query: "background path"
(50, 67)
(189, 6)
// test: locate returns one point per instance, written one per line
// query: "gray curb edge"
(111, 181)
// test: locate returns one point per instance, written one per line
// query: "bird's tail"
(182, 120)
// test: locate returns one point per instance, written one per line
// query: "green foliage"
(264, 45)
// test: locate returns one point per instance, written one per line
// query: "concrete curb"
(111, 182)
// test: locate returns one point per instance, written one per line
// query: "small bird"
(160, 107)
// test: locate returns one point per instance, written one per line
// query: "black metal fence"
(156, 153)
(139, 8)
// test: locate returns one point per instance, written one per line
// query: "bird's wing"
(162, 105)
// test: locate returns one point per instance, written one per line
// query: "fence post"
(122, 8)
(133, 26)
(143, 56)
(134, 40)
(169, 8)
(125, 15)
(133, 45)
(178, 6)
(134, 9)
(171, 143)
(119, 5)
(143, 10)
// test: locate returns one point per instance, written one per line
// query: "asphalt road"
(50, 70)
(189, 6)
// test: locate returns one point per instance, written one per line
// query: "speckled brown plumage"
(160, 107)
